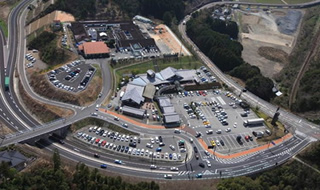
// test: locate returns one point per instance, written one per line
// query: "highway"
(29, 128)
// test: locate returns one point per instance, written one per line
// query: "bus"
(6, 83)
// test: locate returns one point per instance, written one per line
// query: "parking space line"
(234, 145)
(221, 100)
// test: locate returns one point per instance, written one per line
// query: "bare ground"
(44, 112)
(4, 130)
(259, 32)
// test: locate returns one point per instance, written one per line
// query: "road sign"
(273, 143)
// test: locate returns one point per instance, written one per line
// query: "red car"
(97, 141)
(247, 138)
(103, 143)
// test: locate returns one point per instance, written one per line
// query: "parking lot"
(217, 116)
(72, 77)
(171, 148)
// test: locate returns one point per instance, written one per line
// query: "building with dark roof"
(13, 158)
(133, 95)
(94, 49)
(134, 112)
(126, 34)
(171, 120)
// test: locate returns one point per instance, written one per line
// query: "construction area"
(268, 37)
(49, 19)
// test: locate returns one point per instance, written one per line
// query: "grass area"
(100, 123)
(297, 1)
(276, 131)
(4, 27)
(183, 63)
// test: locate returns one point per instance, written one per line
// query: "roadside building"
(134, 112)
(94, 50)
(168, 110)
(149, 92)
(171, 120)
(14, 158)
(133, 96)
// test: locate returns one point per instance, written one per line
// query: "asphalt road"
(233, 167)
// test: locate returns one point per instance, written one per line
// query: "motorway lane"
(5, 114)
(10, 96)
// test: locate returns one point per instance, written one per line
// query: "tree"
(56, 160)
(167, 18)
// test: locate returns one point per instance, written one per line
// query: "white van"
(94, 129)
(167, 176)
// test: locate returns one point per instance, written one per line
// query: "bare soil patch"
(4, 130)
(273, 54)
(44, 112)
(263, 45)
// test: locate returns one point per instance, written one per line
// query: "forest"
(216, 39)
(49, 52)
(52, 176)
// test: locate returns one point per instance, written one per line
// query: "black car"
(221, 142)
(116, 108)
(201, 165)
(254, 133)
(126, 149)
(160, 138)
(96, 155)
(195, 149)
(122, 148)
(244, 115)
(119, 147)
(133, 144)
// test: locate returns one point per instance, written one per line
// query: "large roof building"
(94, 49)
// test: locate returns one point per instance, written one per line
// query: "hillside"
(303, 61)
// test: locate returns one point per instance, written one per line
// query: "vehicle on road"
(6, 83)
(174, 169)
(199, 175)
(202, 165)
(103, 166)
(167, 176)
(96, 155)
(118, 161)
(208, 163)
(153, 167)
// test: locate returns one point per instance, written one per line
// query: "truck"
(6, 83)
(251, 122)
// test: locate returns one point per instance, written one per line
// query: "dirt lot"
(259, 31)
(167, 37)
(4, 130)
(48, 19)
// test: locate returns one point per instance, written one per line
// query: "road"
(289, 119)
(247, 164)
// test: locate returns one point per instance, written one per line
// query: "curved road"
(232, 167)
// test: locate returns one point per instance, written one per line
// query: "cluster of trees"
(54, 177)
(309, 91)
(215, 38)
(46, 43)
(291, 176)
(164, 9)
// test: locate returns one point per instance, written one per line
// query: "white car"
(174, 169)
(172, 147)
(153, 167)
(208, 163)
(228, 130)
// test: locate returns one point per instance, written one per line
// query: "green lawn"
(4, 27)
(183, 63)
